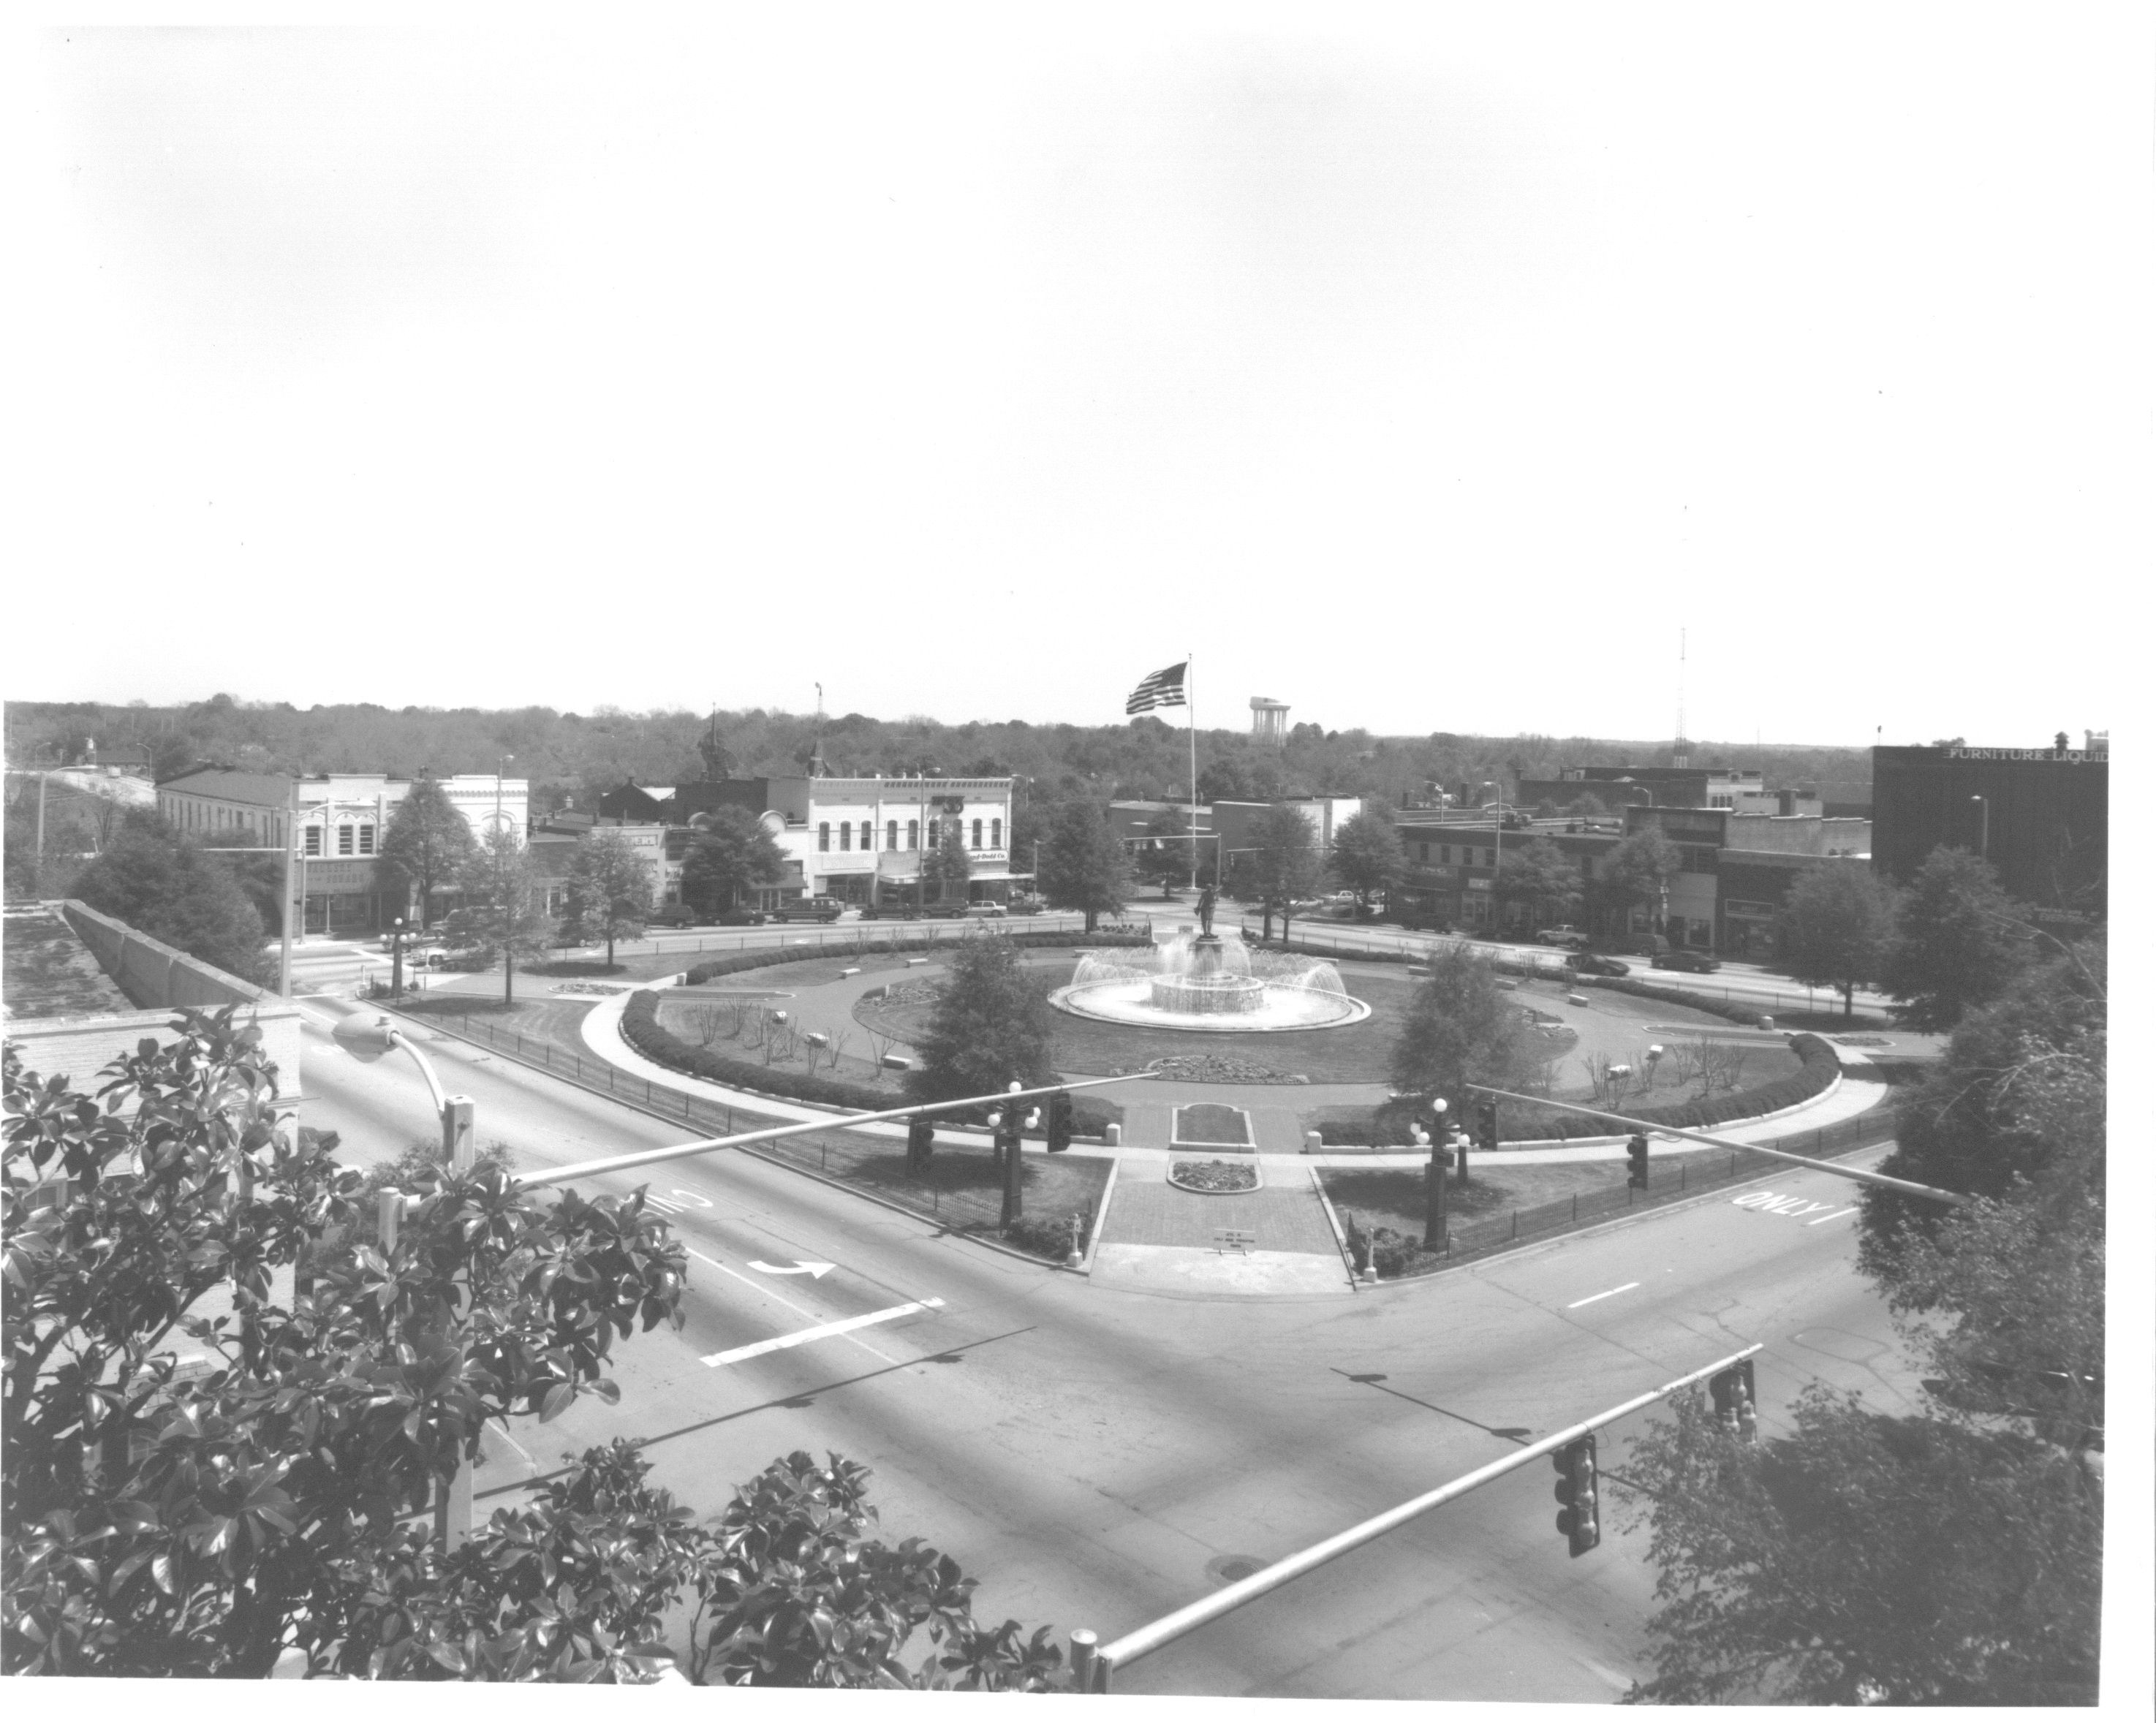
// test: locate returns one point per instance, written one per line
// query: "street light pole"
(1984, 837)
(368, 1042)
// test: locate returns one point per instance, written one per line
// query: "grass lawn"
(1393, 1197)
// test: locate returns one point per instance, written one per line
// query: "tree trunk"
(610, 951)
(508, 976)
(1849, 999)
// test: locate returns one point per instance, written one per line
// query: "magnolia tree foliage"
(158, 1525)
(1462, 1028)
(162, 1524)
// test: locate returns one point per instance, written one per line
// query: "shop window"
(891, 835)
(977, 834)
(367, 840)
(913, 834)
(995, 834)
(314, 845)
(845, 834)
(346, 837)
(823, 835)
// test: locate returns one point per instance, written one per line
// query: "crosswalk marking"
(822, 1332)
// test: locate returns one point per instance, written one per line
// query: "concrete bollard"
(1766, 1023)
(1312, 1142)
(1111, 1135)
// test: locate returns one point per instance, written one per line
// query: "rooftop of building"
(46, 971)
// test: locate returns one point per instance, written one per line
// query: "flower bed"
(1214, 1178)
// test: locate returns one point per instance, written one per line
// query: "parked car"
(673, 915)
(943, 912)
(742, 918)
(810, 908)
(1693, 963)
(1584, 963)
(1564, 935)
(984, 908)
(888, 912)
(1027, 903)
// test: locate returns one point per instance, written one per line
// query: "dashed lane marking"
(1628, 1286)
(826, 1330)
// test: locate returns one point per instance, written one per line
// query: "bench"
(1227, 1238)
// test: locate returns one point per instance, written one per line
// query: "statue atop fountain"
(1205, 913)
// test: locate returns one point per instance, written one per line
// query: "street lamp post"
(397, 958)
(1433, 1219)
(368, 1042)
(1497, 864)
(1984, 829)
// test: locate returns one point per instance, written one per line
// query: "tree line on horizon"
(572, 757)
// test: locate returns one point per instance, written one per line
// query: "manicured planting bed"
(1214, 1177)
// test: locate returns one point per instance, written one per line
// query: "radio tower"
(1681, 754)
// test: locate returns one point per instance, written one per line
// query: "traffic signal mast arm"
(1720, 1142)
(647, 1157)
(1093, 1666)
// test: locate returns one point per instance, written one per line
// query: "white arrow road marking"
(1612, 1293)
(818, 1269)
(824, 1331)
(692, 1197)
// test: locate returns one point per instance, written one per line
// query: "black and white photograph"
(1198, 852)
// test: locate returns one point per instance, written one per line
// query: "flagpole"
(1190, 717)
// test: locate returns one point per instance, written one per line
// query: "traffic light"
(1059, 1121)
(1734, 1399)
(1486, 1125)
(919, 1142)
(1577, 1493)
(1635, 1152)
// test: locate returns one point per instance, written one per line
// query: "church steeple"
(718, 763)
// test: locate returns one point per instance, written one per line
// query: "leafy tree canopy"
(730, 857)
(428, 843)
(1539, 875)
(1083, 866)
(501, 915)
(1959, 940)
(1837, 927)
(1639, 868)
(1461, 1028)
(1367, 858)
(992, 1022)
(610, 891)
(1285, 866)
(161, 883)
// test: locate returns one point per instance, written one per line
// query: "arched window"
(891, 835)
(995, 834)
(977, 834)
(913, 834)
(845, 834)
(823, 835)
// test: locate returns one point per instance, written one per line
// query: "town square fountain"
(1204, 981)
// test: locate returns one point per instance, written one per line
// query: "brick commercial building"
(2041, 816)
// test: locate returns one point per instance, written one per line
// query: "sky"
(1450, 368)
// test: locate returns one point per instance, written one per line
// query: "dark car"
(742, 918)
(673, 915)
(1584, 963)
(1693, 963)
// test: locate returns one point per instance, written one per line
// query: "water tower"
(1269, 720)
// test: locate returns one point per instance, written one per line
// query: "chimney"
(2059, 741)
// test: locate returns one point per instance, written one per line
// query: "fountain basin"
(1209, 985)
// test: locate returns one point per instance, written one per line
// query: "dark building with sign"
(2041, 816)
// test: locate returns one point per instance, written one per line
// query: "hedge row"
(641, 1028)
(1726, 1009)
(1387, 1125)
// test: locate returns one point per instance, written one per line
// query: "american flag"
(1163, 688)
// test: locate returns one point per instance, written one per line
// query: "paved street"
(1096, 1454)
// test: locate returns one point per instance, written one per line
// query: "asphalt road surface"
(1100, 1458)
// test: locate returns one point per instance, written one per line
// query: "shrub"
(1047, 1235)
(1393, 1253)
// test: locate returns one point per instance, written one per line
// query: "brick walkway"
(1285, 1214)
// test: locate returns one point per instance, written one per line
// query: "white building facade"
(340, 821)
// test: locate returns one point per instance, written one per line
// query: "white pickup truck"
(1567, 936)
